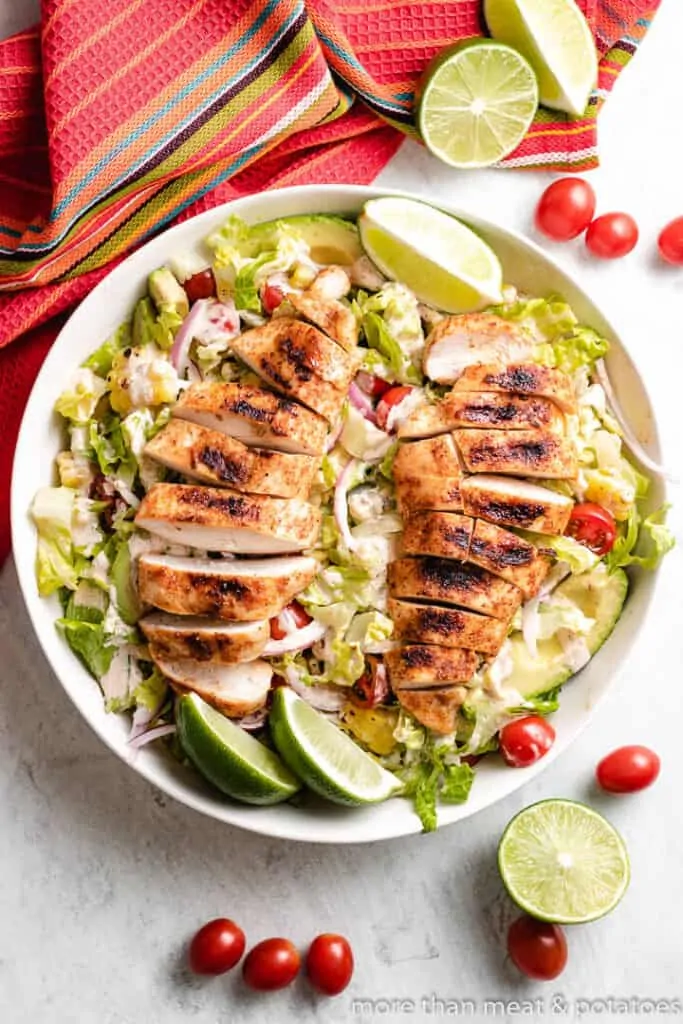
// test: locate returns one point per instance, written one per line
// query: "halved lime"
(229, 757)
(444, 262)
(556, 39)
(477, 101)
(326, 759)
(563, 862)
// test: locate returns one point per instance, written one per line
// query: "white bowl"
(526, 266)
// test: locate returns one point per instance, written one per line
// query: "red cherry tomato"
(526, 740)
(216, 947)
(329, 963)
(612, 236)
(537, 949)
(593, 526)
(670, 242)
(373, 687)
(271, 964)
(271, 297)
(200, 286)
(298, 615)
(372, 385)
(388, 401)
(565, 209)
(628, 769)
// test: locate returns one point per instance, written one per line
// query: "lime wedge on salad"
(440, 259)
(556, 39)
(477, 101)
(326, 759)
(229, 757)
(563, 862)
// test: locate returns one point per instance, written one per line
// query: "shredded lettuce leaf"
(650, 533)
(100, 362)
(563, 342)
(432, 778)
(78, 401)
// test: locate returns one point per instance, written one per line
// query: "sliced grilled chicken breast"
(332, 317)
(298, 359)
(509, 502)
(450, 627)
(459, 341)
(253, 416)
(427, 474)
(441, 534)
(215, 458)
(449, 582)
(435, 709)
(425, 421)
(229, 589)
(505, 554)
(219, 519)
(521, 379)
(502, 411)
(236, 690)
(419, 666)
(200, 639)
(518, 452)
(331, 282)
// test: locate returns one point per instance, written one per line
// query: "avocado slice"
(167, 293)
(122, 578)
(144, 318)
(331, 239)
(600, 596)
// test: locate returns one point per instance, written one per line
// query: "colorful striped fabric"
(117, 119)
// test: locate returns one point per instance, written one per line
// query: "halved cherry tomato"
(388, 401)
(201, 285)
(271, 964)
(216, 947)
(536, 948)
(593, 526)
(329, 963)
(372, 385)
(271, 297)
(612, 236)
(565, 209)
(670, 242)
(299, 616)
(525, 740)
(373, 686)
(628, 769)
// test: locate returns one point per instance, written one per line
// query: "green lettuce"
(563, 342)
(542, 704)
(82, 628)
(78, 401)
(637, 533)
(432, 779)
(151, 692)
(577, 556)
(102, 358)
(57, 563)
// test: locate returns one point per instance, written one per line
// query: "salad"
(285, 470)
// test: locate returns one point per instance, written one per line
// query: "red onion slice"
(297, 640)
(322, 698)
(362, 402)
(152, 734)
(631, 440)
(180, 352)
(256, 720)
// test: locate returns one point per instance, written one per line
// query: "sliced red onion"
(142, 717)
(322, 698)
(152, 734)
(341, 508)
(180, 352)
(362, 402)
(297, 640)
(209, 320)
(253, 722)
(366, 381)
(631, 440)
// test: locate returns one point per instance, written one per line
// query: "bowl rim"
(167, 780)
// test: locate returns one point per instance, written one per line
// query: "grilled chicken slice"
(425, 421)
(220, 519)
(297, 359)
(450, 627)
(229, 589)
(505, 554)
(236, 690)
(332, 317)
(451, 582)
(521, 379)
(518, 452)
(459, 341)
(440, 534)
(436, 709)
(509, 502)
(215, 458)
(419, 666)
(331, 282)
(427, 474)
(199, 639)
(253, 416)
(502, 411)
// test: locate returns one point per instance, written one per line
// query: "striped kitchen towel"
(117, 119)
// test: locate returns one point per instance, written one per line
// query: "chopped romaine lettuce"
(362, 438)
(651, 532)
(102, 358)
(563, 342)
(578, 557)
(56, 561)
(437, 775)
(78, 401)
(82, 628)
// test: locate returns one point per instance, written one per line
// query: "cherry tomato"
(271, 297)
(216, 947)
(373, 686)
(329, 963)
(628, 769)
(200, 286)
(271, 964)
(538, 949)
(299, 617)
(670, 242)
(526, 740)
(372, 385)
(565, 209)
(593, 526)
(388, 401)
(612, 236)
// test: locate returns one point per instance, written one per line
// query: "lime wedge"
(229, 757)
(563, 862)
(441, 260)
(324, 757)
(556, 39)
(477, 101)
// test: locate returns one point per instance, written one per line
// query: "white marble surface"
(102, 879)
